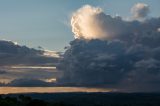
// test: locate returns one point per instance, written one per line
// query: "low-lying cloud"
(111, 52)
(22, 62)
(29, 83)
(13, 54)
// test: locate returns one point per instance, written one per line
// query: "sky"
(46, 23)
(108, 43)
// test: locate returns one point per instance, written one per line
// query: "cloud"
(47, 74)
(158, 30)
(29, 83)
(2, 71)
(126, 59)
(92, 23)
(22, 62)
(145, 76)
(13, 54)
(93, 63)
(140, 11)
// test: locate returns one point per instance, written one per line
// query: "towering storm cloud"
(140, 10)
(111, 52)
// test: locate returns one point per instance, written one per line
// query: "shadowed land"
(81, 99)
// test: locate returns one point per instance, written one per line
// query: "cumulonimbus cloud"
(109, 51)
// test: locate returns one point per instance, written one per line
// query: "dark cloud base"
(29, 83)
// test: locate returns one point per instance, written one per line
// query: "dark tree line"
(27, 101)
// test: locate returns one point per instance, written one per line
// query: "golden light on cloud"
(50, 80)
(33, 67)
(87, 24)
(50, 53)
